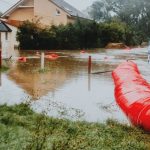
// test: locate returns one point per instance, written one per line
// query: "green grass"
(22, 129)
(3, 69)
(43, 70)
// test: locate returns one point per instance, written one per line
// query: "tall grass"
(4, 68)
(22, 129)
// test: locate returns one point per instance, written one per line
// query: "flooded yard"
(65, 89)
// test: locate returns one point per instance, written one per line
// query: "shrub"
(82, 34)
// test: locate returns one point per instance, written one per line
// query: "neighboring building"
(5, 37)
(4, 29)
(48, 12)
(8, 41)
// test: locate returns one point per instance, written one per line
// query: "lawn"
(23, 129)
(4, 68)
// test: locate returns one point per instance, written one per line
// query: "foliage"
(4, 68)
(21, 128)
(114, 32)
(28, 35)
(80, 35)
(135, 13)
(100, 11)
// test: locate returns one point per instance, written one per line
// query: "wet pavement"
(64, 89)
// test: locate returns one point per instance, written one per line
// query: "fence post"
(89, 64)
(0, 58)
(42, 60)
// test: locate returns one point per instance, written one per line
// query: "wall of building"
(8, 41)
(6, 46)
(13, 35)
(43, 10)
(22, 14)
(51, 14)
(70, 19)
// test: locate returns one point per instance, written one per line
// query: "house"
(4, 30)
(4, 34)
(7, 38)
(48, 12)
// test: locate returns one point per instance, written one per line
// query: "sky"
(79, 4)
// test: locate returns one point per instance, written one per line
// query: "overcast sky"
(79, 4)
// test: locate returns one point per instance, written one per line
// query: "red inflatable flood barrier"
(132, 94)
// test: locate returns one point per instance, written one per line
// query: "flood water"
(64, 89)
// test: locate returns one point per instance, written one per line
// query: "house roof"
(60, 3)
(4, 27)
(68, 8)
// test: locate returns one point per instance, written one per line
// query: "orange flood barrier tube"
(22, 59)
(132, 94)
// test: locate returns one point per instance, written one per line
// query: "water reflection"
(0, 78)
(89, 82)
(63, 88)
(36, 83)
(56, 73)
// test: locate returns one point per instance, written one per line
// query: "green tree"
(135, 13)
(81, 35)
(100, 11)
(112, 32)
(28, 35)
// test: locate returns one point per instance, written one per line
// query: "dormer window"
(57, 12)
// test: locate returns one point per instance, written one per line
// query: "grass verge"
(3, 69)
(22, 129)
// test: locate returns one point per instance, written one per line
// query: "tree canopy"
(80, 35)
(135, 13)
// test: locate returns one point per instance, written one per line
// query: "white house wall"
(13, 35)
(9, 44)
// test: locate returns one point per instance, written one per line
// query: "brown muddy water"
(64, 89)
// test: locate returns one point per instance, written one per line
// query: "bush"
(82, 34)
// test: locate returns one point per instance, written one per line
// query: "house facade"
(48, 12)
(7, 39)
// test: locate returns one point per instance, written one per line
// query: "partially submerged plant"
(4, 68)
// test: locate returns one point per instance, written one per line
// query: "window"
(57, 12)
(6, 35)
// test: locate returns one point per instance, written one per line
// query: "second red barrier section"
(132, 93)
